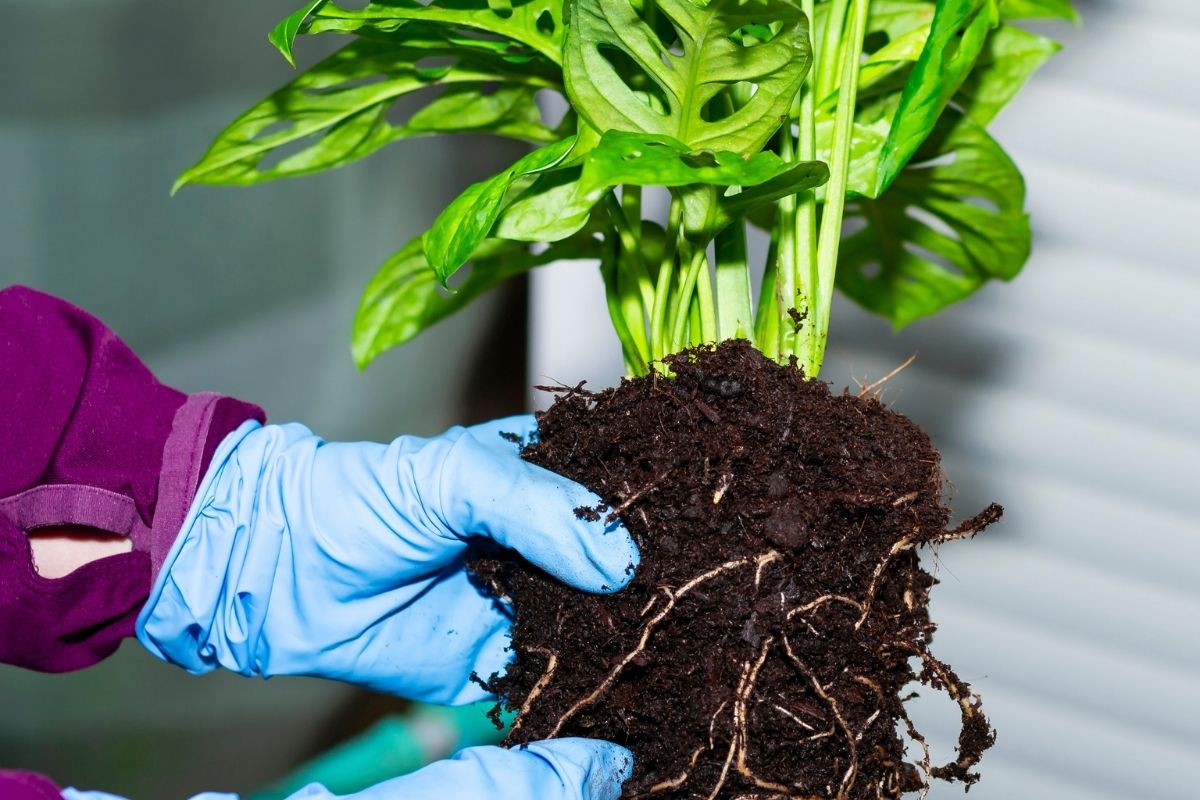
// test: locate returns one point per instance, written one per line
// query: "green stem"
(662, 288)
(805, 237)
(766, 320)
(735, 317)
(817, 325)
(631, 202)
(635, 362)
(632, 253)
(708, 310)
(830, 57)
(683, 300)
(789, 253)
(695, 333)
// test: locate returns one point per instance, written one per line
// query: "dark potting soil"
(779, 614)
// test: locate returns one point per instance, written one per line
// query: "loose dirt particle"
(780, 609)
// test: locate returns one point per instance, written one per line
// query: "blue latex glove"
(345, 561)
(560, 769)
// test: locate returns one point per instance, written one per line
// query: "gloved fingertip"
(506, 433)
(599, 767)
(616, 560)
(614, 768)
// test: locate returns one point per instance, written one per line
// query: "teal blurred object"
(396, 745)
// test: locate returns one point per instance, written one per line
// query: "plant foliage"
(794, 116)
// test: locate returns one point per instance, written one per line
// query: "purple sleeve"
(27, 786)
(89, 437)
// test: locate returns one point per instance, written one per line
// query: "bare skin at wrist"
(59, 551)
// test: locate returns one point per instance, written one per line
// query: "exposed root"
(822, 600)
(972, 526)
(777, 522)
(926, 763)
(851, 740)
(741, 723)
(863, 391)
(680, 779)
(898, 547)
(672, 599)
(616, 513)
(551, 665)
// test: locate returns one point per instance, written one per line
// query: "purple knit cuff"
(90, 438)
(27, 786)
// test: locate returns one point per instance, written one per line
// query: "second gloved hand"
(345, 561)
(558, 769)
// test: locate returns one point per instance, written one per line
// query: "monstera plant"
(780, 609)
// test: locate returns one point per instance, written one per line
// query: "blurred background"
(1072, 396)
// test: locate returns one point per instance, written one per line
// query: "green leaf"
(958, 34)
(558, 205)
(468, 220)
(339, 107)
(1011, 56)
(665, 87)
(953, 220)
(284, 34)
(897, 18)
(405, 297)
(537, 24)
(1038, 9)
(866, 145)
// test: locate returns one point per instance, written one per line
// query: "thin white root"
(793, 717)
(648, 630)
(551, 665)
(680, 779)
(822, 600)
(865, 390)
(898, 547)
(741, 722)
(848, 777)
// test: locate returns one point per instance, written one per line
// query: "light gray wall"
(244, 291)
(1070, 396)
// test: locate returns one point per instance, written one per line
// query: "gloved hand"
(345, 561)
(560, 769)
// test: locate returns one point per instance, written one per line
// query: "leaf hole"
(931, 220)
(546, 24)
(552, 106)
(345, 86)
(432, 68)
(501, 8)
(640, 82)
(875, 41)
(277, 127)
(871, 270)
(753, 34)
(277, 155)
(933, 257)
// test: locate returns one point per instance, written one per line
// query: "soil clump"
(780, 611)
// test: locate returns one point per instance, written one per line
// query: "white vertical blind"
(1072, 396)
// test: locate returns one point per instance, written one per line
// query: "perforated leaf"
(1038, 9)
(337, 111)
(953, 220)
(536, 24)
(1008, 60)
(560, 202)
(958, 33)
(405, 297)
(463, 225)
(664, 87)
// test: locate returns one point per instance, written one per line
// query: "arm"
(90, 439)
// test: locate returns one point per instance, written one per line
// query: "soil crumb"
(780, 612)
